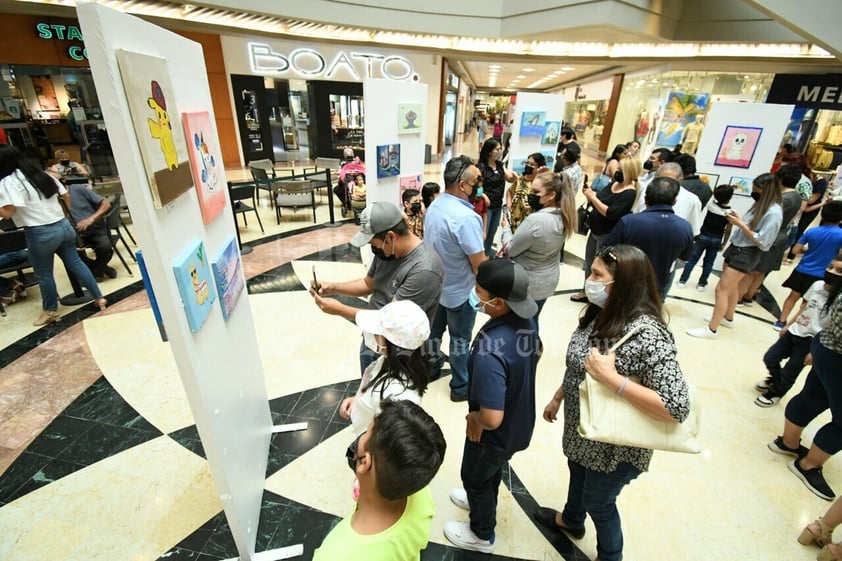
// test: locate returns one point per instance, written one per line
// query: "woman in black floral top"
(622, 293)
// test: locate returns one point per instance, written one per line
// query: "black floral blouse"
(650, 356)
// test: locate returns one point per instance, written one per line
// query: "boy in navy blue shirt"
(819, 246)
(715, 229)
(501, 397)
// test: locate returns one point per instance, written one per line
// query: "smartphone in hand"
(316, 284)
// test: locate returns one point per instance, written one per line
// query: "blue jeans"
(710, 247)
(12, 258)
(44, 243)
(482, 470)
(493, 223)
(459, 321)
(787, 345)
(595, 493)
(822, 390)
(367, 356)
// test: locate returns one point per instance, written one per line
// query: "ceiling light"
(566, 68)
(528, 69)
(521, 76)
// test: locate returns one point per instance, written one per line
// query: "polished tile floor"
(100, 459)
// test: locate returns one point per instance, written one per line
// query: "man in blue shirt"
(501, 397)
(454, 231)
(663, 236)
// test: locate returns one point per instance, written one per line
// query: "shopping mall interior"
(100, 454)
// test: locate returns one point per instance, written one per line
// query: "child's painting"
(152, 104)
(742, 185)
(551, 133)
(205, 162)
(681, 109)
(710, 178)
(517, 164)
(410, 117)
(410, 182)
(388, 160)
(228, 271)
(193, 276)
(532, 123)
(150, 293)
(736, 149)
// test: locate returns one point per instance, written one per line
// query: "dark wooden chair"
(239, 194)
(113, 223)
(14, 240)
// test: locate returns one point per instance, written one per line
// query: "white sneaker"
(459, 497)
(461, 535)
(701, 287)
(702, 333)
(682, 284)
(729, 323)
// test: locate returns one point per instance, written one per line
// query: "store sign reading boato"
(310, 63)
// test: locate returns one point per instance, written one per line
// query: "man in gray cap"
(403, 269)
(501, 397)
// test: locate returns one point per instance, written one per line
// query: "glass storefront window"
(347, 122)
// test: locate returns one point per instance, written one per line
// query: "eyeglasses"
(466, 163)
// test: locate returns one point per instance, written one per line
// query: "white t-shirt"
(367, 405)
(811, 320)
(31, 208)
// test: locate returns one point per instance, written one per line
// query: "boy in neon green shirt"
(394, 461)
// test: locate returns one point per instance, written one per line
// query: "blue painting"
(681, 109)
(533, 123)
(193, 276)
(228, 271)
(388, 160)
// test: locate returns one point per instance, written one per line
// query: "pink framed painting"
(737, 147)
(205, 163)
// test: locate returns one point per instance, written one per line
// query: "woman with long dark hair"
(396, 332)
(494, 176)
(623, 297)
(753, 234)
(30, 196)
(517, 193)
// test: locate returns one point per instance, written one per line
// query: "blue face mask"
(479, 192)
(476, 303)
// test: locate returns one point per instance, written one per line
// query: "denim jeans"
(710, 247)
(459, 321)
(12, 258)
(822, 390)
(493, 223)
(595, 493)
(796, 349)
(367, 356)
(44, 243)
(482, 470)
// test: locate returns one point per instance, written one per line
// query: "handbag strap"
(629, 335)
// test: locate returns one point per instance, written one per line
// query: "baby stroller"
(347, 175)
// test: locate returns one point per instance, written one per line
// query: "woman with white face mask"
(623, 296)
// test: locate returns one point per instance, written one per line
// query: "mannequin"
(691, 135)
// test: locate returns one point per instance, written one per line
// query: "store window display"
(691, 135)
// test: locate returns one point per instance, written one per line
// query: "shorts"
(743, 259)
(800, 282)
(771, 260)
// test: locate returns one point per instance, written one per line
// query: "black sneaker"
(813, 479)
(768, 399)
(764, 385)
(110, 272)
(777, 446)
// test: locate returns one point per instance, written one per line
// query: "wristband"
(623, 385)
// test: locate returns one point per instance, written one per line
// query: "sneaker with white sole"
(768, 399)
(702, 333)
(813, 480)
(778, 326)
(701, 287)
(764, 384)
(459, 497)
(778, 447)
(461, 535)
(682, 284)
(729, 323)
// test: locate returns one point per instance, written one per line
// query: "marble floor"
(100, 457)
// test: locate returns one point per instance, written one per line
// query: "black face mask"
(832, 279)
(534, 201)
(648, 165)
(528, 170)
(755, 195)
(378, 251)
(415, 208)
(351, 453)
(65, 163)
(618, 176)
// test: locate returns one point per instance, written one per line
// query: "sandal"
(828, 554)
(822, 538)
(579, 297)
(101, 303)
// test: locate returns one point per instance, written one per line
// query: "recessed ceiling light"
(567, 68)
(527, 69)
(521, 76)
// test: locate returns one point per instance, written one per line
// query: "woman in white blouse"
(30, 196)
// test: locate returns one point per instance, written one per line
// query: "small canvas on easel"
(205, 162)
(193, 276)
(152, 104)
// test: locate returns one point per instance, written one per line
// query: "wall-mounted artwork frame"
(532, 123)
(742, 185)
(551, 132)
(195, 284)
(228, 272)
(205, 162)
(737, 147)
(711, 179)
(410, 118)
(388, 160)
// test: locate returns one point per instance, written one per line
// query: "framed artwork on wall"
(388, 160)
(736, 149)
(45, 92)
(533, 123)
(228, 272)
(205, 162)
(551, 132)
(680, 109)
(410, 117)
(742, 185)
(194, 279)
(709, 178)
(152, 105)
